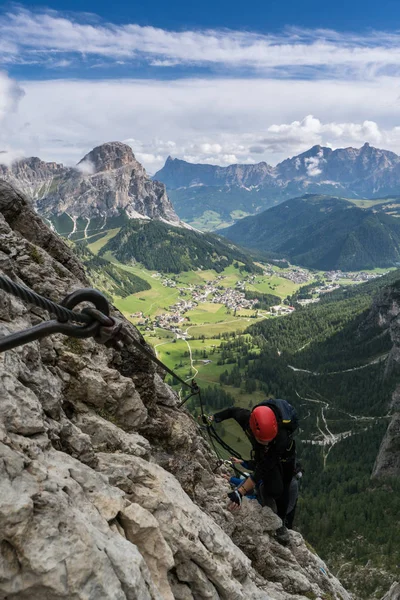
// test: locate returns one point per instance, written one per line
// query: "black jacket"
(264, 458)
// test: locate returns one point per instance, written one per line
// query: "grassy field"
(275, 285)
(234, 325)
(368, 203)
(96, 246)
(231, 275)
(150, 302)
(209, 221)
(207, 318)
(207, 312)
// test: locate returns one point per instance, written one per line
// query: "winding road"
(330, 439)
(375, 361)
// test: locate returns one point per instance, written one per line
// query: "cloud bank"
(219, 121)
(27, 37)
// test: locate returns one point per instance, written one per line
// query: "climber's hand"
(235, 498)
(207, 419)
(235, 460)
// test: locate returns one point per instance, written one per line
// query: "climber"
(269, 427)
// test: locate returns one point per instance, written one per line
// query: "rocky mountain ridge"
(365, 172)
(179, 173)
(107, 183)
(107, 489)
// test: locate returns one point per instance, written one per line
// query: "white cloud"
(10, 94)
(220, 121)
(312, 165)
(27, 34)
(215, 120)
(311, 131)
(86, 167)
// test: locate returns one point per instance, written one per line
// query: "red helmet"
(263, 424)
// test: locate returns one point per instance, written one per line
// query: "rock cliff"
(107, 182)
(393, 593)
(387, 313)
(107, 490)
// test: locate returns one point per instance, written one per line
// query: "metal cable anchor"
(93, 329)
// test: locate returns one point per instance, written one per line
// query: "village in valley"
(211, 291)
(176, 320)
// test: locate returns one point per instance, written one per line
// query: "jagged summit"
(120, 186)
(109, 156)
(362, 167)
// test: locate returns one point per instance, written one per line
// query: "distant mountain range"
(107, 185)
(209, 196)
(324, 232)
(109, 192)
(108, 197)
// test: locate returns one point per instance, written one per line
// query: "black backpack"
(288, 413)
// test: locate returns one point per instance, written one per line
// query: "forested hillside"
(322, 232)
(160, 247)
(105, 275)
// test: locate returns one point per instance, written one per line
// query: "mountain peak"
(108, 156)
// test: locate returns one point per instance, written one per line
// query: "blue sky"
(258, 15)
(217, 82)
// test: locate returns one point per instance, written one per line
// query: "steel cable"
(27, 295)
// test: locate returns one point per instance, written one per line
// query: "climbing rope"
(96, 323)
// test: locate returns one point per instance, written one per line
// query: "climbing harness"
(95, 322)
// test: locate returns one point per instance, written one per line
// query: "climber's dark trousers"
(290, 518)
(275, 487)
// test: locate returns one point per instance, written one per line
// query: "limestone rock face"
(108, 182)
(33, 176)
(393, 593)
(387, 313)
(107, 490)
(109, 157)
